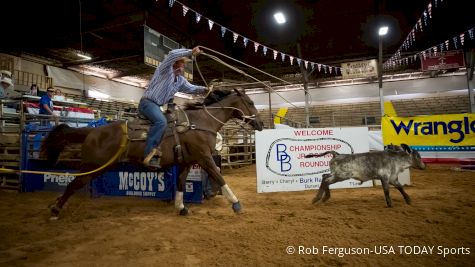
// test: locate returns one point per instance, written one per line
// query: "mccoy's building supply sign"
(451, 132)
(280, 156)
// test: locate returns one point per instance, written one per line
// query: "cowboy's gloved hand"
(196, 51)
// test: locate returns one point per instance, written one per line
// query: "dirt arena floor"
(356, 223)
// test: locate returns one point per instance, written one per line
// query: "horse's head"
(249, 112)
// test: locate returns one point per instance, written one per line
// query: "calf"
(383, 165)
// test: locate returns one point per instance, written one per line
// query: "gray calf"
(383, 165)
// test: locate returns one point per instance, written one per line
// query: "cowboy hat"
(6, 77)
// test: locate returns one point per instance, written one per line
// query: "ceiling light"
(383, 30)
(280, 18)
(84, 56)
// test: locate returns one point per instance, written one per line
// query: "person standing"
(34, 90)
(166, 82)
(46, 105)
(5, 83)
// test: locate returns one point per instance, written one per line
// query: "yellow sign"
(436, 130)
(280, 114)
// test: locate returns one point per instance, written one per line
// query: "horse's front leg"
(213, 172)
(179, 203)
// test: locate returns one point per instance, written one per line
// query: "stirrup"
(150, 155)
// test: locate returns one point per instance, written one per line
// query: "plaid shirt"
(165, 84)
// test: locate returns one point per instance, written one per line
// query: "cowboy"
(5, 83)
(166, 81)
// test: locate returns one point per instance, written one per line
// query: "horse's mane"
(215, 96)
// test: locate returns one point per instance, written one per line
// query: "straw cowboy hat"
(6, 77)
(184, 59)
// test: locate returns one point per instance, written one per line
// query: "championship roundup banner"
(280, 157)
(451, 132)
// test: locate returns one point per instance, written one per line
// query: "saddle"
(177, 121)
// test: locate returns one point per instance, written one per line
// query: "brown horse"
(105, 145)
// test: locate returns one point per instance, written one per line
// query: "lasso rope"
(242, 72)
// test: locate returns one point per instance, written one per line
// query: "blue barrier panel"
(125, 180)
(193, 187)
(130, 180)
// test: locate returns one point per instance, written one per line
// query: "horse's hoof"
(55, 210)
(237, 207)
(184, 211)
(315, 200)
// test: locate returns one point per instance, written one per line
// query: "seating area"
(104, 108)
(368, 113)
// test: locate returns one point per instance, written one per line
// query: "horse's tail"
(58, 138)
(334, 153)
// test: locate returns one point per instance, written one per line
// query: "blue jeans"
(152, 111)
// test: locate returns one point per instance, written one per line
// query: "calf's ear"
(406, 148)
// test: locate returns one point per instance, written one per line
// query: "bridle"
(246, 119)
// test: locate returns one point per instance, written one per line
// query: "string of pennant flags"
(395, 60)
(454, 43)
(421, 24)
(245, 41)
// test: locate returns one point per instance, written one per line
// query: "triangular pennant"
(420, 24)
(455, 42)
(291, 60)
(210, 23)
(446, 44)
(441, 47)
(330, 70)
(223, 31)
(470, 33)
(275, 54)
(325, 69)
(264, 50)
(462, 38)
(256, 46)
(244, 40)
(298, 61)
(319, 66)
(171, 2)
(429, 8)
(185, 10)
(282, 55)
(306, 64)
(313, 65)
(198, 17)
(425, 18)
(235, 36)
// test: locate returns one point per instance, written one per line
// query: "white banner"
(364, 68)
(280, 161)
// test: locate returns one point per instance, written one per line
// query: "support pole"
(380, 76)
(305, 87)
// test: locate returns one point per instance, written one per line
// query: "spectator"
(6, 83)
(166, 82)
(58, 95)
(34, 90)
(46, 104)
